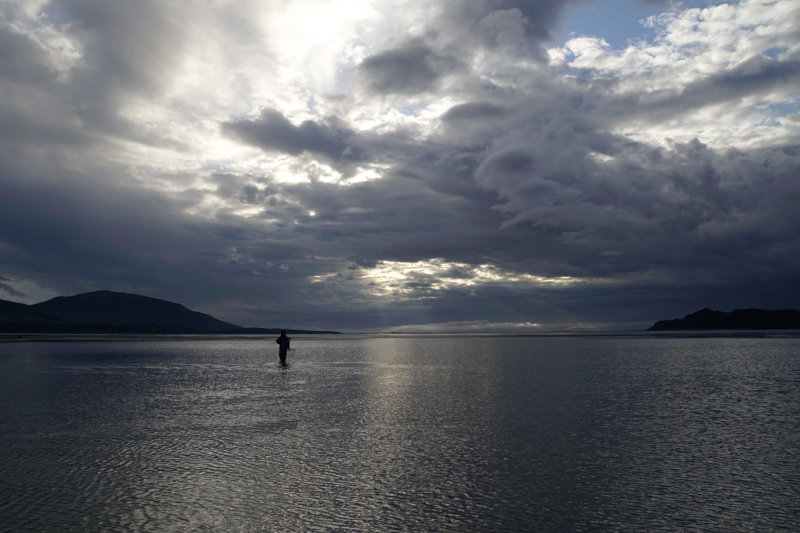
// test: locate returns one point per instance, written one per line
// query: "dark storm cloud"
(527, 174)
(32, 114)
(27, 132)
(129, 51)
(690, 208)
(541, 16)
(23, 60)
(272, 131)
(497, 23)
(752, 79)
(73, 234)
(8, 289)
(409, 69)
(421, 65)
(395, 218)
(74, 227)
(69, 222)
(129, 47)
(514, 162)
(49, 98)
(472, 111)
(592, 203)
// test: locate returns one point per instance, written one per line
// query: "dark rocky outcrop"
(738, 319)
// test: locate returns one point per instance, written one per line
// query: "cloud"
(272, 131)
(134, 47)
(743, 55)
(401, 163)
(507, 18)
(472, 111)
(661, 4)
(503, 28)
(24, 60)
(409, 69)
(7, 287)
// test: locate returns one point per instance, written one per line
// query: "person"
(283, 343)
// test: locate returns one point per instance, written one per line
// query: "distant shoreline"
(105, 337)
(738, 319)
(63, 337)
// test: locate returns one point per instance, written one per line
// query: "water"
(402, 434)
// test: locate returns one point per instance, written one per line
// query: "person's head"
(283, 332)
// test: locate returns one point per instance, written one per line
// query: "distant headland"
(738, 319)
(108, 312)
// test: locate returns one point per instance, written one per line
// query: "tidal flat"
(402, 433)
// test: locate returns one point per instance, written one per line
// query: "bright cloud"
(717, 61)
(423, 279)
(395, 277)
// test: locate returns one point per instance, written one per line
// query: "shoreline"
(110, 337)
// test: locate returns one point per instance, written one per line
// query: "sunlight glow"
(312, 37)
(371, 173)
(472, 326)
(423, 279)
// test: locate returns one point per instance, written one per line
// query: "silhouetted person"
(283, 342)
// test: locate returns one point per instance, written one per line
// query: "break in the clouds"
(402, 165)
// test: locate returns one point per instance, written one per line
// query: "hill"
(17, 313)
(116, 312)
(707, 319)
(119, 308)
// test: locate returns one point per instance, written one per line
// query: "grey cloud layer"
(273, 131)
(410, 69)
(527, 172)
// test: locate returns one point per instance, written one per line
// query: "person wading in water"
(283, 342)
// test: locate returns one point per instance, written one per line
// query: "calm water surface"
(402, 434)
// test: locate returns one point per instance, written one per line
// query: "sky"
(404, 165)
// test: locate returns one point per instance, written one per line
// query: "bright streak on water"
(402, 434)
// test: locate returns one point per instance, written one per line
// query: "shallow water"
(402, 434)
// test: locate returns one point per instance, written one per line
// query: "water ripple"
(402, 435)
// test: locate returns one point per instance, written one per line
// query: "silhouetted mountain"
(17, 313)
(119, 308)
(117, 312)
(708, 319)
